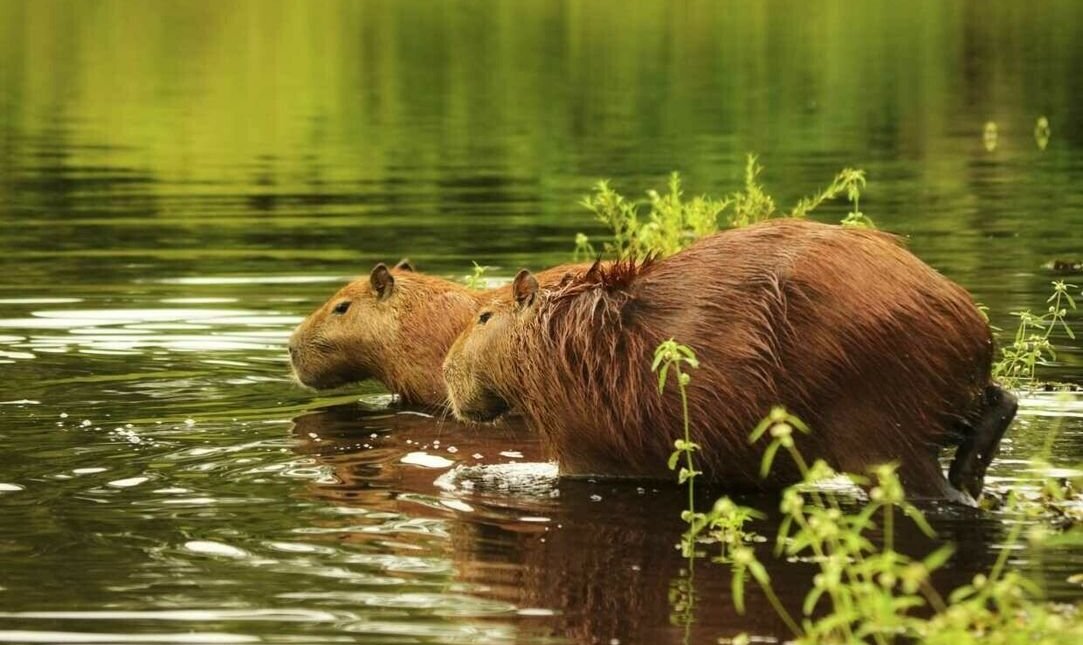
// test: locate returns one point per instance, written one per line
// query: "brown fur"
(879, 353)
(399, 337)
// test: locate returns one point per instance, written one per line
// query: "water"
(180, 183)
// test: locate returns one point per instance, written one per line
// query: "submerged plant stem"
(690, 464)
(780, 609)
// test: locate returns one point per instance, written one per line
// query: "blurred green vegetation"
(212, 92)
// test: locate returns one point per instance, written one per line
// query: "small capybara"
(395, 326)
(886, 360)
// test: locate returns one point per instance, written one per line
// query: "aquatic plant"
(667, 222)
(752, 204)
(477, 279)
(864, 591)
(1031, 345)
(869, 592)
(671, 355)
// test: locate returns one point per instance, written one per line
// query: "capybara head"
(483, 356)
(394, 325)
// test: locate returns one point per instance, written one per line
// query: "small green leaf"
(960, 594)
(737, 587)
(919, 519)
(759, 430)
(811, 599)
(783, 533)
(684, 475)
(938, 558)
(768, 458)
(673, 459)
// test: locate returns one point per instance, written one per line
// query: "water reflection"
(579, 560)
(132, 331)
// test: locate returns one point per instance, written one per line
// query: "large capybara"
(395, 326)
(886, 360)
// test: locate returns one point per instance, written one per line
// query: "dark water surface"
(180, 183)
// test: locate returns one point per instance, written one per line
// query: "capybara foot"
(976, 452)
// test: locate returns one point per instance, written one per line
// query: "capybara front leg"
(976, 452)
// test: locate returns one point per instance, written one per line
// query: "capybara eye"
(342, 307)
(484, 317)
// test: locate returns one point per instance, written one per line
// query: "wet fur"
(885, 358)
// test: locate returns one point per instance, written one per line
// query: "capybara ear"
(382, 280)
(404, 265)
(524, 288)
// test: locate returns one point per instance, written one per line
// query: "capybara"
(394, 326)
(886, 360)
